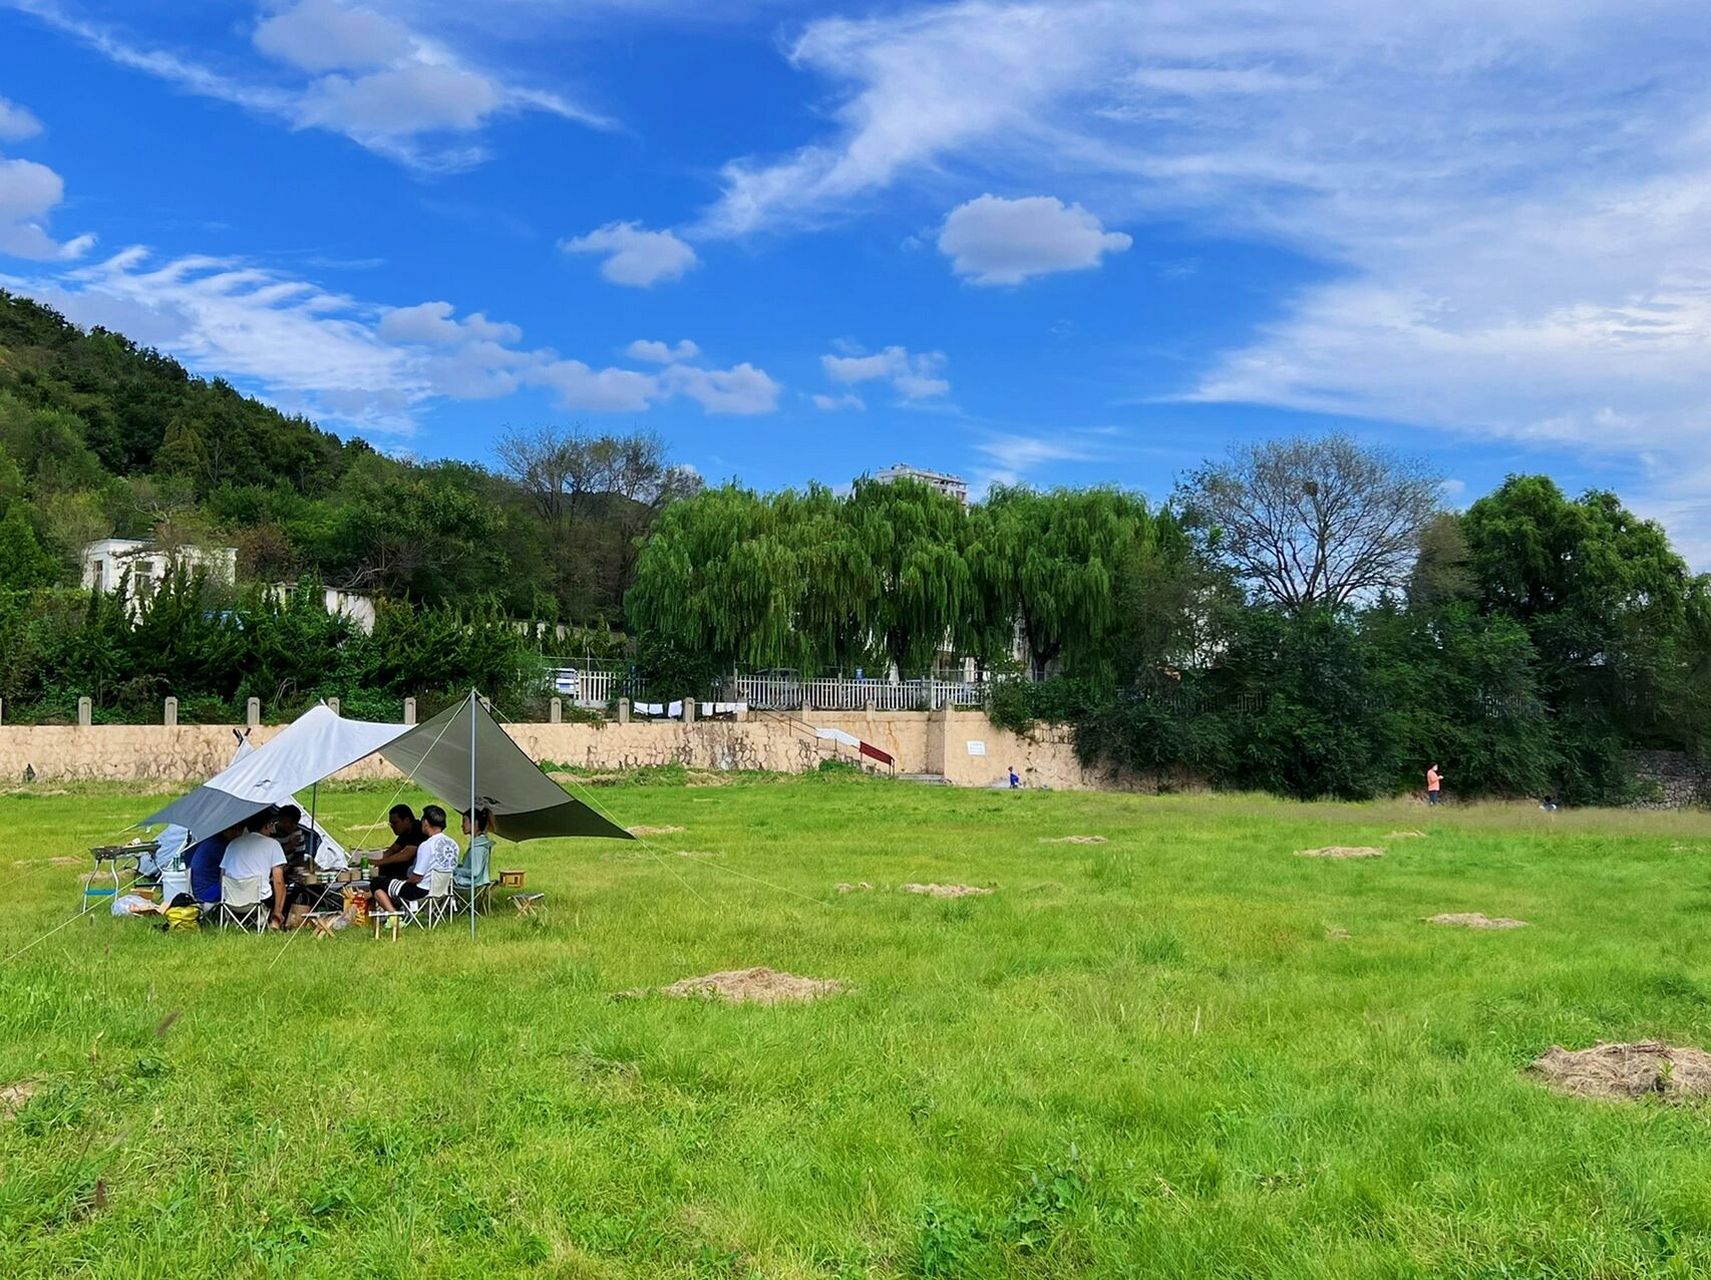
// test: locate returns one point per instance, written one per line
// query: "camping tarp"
(314, 746)
(526, 804)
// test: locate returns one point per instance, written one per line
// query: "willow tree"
(842, 584)
(1058, 558)
(722, 576)
(925, 596)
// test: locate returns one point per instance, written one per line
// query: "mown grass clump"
(1148, 1057)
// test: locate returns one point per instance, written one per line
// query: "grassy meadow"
(1150, 1057)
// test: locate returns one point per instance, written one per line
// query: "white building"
(107, 562)
(953, 487)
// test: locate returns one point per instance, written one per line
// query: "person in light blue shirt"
(474, 869)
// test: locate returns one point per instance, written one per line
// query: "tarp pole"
(474, 823)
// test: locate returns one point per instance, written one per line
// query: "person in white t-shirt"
(256, 855)
(439, 852)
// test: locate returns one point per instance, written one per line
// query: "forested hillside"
(101, 437)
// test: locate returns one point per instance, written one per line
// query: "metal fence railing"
(837, 693)
(601, 686)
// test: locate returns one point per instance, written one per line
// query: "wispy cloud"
(332, 356)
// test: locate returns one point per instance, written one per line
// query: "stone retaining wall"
(1670, 779)
(963, 746)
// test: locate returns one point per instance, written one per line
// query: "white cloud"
(431, 323)
(831, 404)
(401, 101)
(914, 377)
(16, 122)
(29, 192)
(406, 99)
(996, 241)
(743, 389)
(321, 35)
(610, 390)
(634, 255)
(659, 353)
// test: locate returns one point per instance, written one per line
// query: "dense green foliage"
(895, 575)
(1540, 639)
(213, 649)
(99, 438)
(1183, 1054)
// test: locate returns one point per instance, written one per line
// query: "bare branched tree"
(598, 496)
(1313, 521)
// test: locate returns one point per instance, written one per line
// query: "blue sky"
(1065, 242)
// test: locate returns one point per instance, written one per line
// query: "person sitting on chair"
(438, 852)
(256, 855)
(396, 859)
(473, 868)
(203, 859)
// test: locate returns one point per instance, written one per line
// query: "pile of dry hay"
(1072, 839)
(946, 890)
(1476, 920)
(752, 986)
(1647, 1069)
(1341, 851)
(1406, 835)
(861, 887)
(653, 831)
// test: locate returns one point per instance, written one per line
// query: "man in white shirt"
(439, 852)
(256, 855)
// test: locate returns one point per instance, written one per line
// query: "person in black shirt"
(394, 861)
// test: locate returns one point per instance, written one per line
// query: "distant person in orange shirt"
(1434, 784)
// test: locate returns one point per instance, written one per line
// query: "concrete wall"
(922, 742)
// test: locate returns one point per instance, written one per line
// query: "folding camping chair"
(429, 911)
(241, 904)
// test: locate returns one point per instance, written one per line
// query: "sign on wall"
(976, 748)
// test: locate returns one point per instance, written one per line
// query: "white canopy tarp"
(330, 855)
(314, 746)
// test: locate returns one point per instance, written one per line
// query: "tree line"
(1305, 615)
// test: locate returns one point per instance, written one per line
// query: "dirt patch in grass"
(1341, 851)
(754, 986)
(947, 890)
(698, 853)
(1476, 920)
(1072, 839)
(1406, 835)
(1336, 933)
(15, 1096)
(1647, 1069)
(653, 831)
(860, 887)
(68, 862)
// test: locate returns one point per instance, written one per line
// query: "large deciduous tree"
(596, 496)
(1610, 606)
(1310, 522)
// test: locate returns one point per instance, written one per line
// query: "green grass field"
(1149, 1057)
